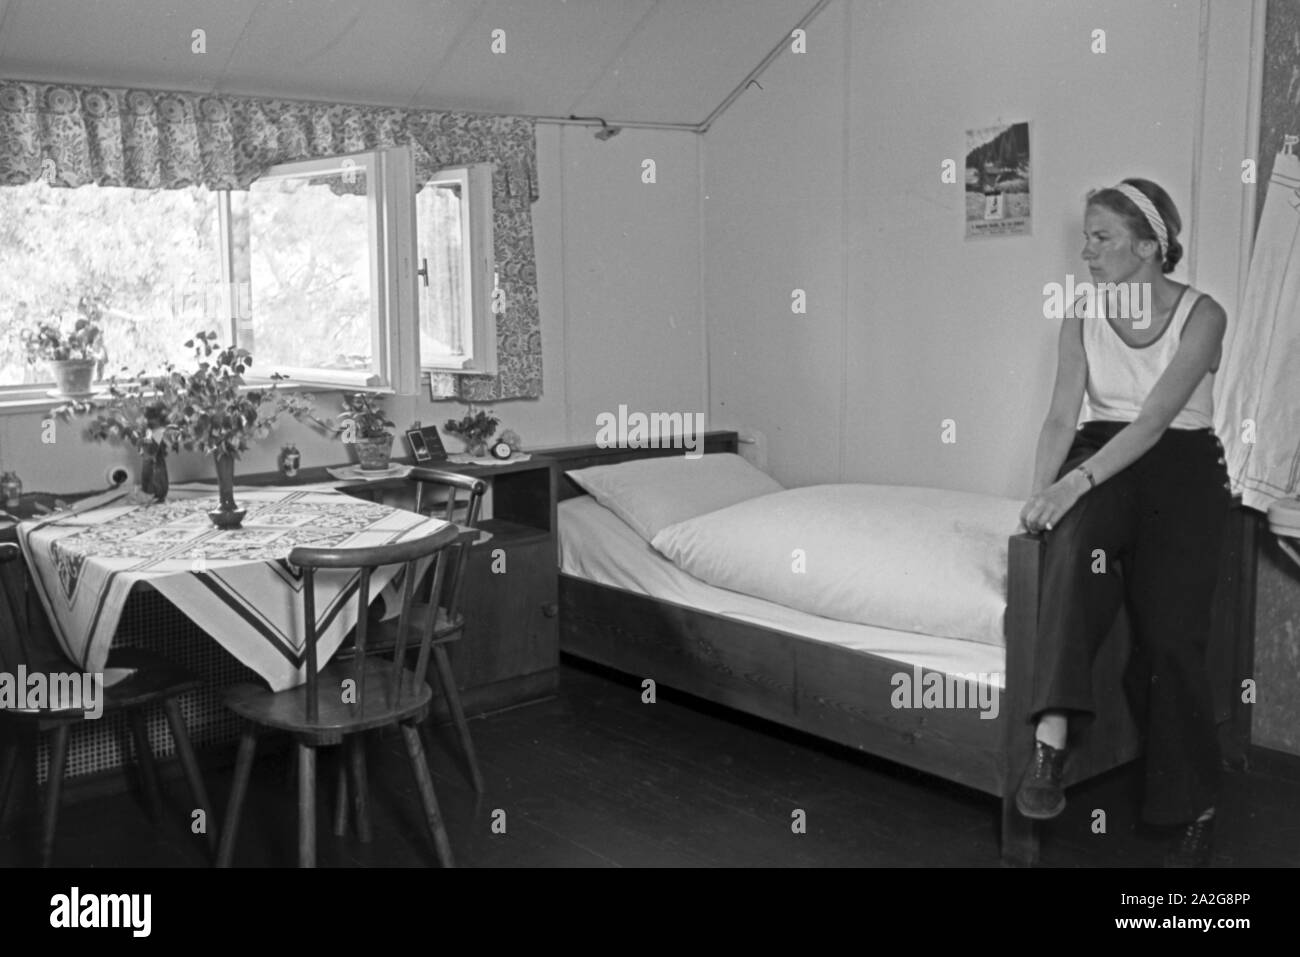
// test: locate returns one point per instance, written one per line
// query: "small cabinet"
(510, 652)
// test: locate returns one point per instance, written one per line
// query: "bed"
(625, 607)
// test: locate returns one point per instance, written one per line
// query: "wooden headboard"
(584, 456)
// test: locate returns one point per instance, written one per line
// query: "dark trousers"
(1163, 518)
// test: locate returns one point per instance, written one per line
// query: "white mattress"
(597, 545)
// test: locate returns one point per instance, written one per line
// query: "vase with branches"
(134, 413)
(209, 409)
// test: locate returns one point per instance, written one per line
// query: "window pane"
(146, 260)
(309, 265)
(442, 292)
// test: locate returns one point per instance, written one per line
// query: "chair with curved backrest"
(448, 619)
(437, 610)
(349, 696)
(27, 643)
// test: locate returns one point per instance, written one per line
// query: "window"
(458, 303)
(310, 270)
(310, 273)
(138, 260)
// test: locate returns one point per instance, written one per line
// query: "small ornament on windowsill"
(290, 460)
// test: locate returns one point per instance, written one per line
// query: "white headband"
(1149, 210)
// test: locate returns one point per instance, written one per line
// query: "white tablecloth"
(238, 586)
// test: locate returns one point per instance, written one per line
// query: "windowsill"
(425, 371)
(35, 400)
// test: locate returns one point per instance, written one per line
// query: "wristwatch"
(1092, 482)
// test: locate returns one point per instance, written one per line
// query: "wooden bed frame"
(844, 696)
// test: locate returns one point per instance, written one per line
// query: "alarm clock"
(501, 450)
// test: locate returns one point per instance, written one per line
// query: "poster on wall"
(997, 181)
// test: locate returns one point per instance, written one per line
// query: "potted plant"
(72, 356)
(474, 430)
(365, 426)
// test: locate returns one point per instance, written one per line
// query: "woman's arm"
(1063, 414)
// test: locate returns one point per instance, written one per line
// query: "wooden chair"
(320, 713)
(438, 612)
(27, 641)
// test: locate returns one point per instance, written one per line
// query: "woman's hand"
(1048, 507)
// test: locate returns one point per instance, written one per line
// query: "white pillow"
(914, 559)
(650, 494)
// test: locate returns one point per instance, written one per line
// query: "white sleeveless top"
(1120, 376)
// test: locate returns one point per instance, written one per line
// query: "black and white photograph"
(998, 194)
(566, 434)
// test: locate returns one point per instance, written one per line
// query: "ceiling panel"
(554, 50)
(120, 42)
(689, 56)
(666, 61)
(364, 51)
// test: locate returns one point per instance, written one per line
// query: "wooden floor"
(596, 778)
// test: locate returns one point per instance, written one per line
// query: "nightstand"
(510, 652)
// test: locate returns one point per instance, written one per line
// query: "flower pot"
(153, 472)
(73, 377)
(477, 449)
(227, 514)
(374, 453)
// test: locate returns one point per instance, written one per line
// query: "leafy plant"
(133, 413)
(473, 428)
(208, 409)
(49, 343)
(363, 417)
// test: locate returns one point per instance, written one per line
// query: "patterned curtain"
(72, 136)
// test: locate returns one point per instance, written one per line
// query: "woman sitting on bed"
(1142, 481)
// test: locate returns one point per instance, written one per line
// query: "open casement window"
(456, 281)
(310, 283)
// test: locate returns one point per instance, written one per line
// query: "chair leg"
(238, 788)
(341, 793)
(424, 780)
(144, 754)
(306, 805)
(53, 792)
(356, 746)
(190, 765)
(457, 712)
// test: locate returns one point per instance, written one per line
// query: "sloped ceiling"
(652, 61)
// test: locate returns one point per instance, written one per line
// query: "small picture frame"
(425, 445)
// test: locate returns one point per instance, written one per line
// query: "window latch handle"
(424, 271)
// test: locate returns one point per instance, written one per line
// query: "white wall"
(619, 297)
(828, 179)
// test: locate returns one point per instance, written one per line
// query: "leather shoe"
(1040, 795)
(1192, 845)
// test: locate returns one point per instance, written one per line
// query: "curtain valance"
(77, 135)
